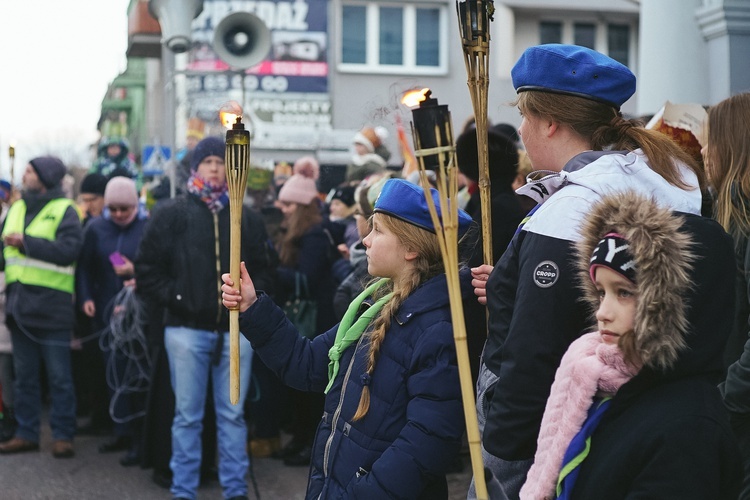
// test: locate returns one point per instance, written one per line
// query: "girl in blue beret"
(582, 149)
(393, 416)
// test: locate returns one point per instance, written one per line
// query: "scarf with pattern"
(214, 196)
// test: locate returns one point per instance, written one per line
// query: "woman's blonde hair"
(429, 263)
(728, 162)
(605, 128)
(302, 219)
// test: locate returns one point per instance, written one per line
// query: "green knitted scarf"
(351, 328)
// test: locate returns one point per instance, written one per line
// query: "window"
(394, 38)
(353, 41)
(550, 32)
(428, 37)
(391, 35)
(613, 38)
(584, 34)
(618, 41)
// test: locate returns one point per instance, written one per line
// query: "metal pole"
(170, 109)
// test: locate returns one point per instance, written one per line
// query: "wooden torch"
(12, 164)
(433, 145)
(474, 18)
(237, 166)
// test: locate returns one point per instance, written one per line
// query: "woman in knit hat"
(106, 266)
(307, 248)
(369, 156)
(91, 197)
(184, 246)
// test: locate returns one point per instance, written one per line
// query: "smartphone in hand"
(116, 259)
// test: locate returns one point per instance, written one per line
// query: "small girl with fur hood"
(637, 397)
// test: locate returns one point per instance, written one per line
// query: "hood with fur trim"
(664, 259)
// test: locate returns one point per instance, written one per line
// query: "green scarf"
(350, 331)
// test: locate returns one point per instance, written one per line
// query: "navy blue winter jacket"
(412, 432)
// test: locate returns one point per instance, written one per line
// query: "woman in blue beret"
(393, 416)
(573, 131)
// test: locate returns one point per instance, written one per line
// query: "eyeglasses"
(120, 209)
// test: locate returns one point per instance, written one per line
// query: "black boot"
(118, 443)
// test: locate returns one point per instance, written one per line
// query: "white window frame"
(372, 40)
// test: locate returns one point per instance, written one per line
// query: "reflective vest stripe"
(40, 264)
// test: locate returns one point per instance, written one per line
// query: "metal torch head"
(433, 133)
(474, 18)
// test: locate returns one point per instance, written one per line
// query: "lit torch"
(433, 146)
(237, 166)
(474, 18)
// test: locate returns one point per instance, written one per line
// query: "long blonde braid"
(428, 264)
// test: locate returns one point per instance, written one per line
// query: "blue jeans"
(54, 348)
(191, 353)
(510, 475)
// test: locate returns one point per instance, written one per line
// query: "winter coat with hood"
(534, 312)
(119, 165)
(666, 433)
(183, 253)
(403, 446)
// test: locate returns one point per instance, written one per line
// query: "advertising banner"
(285, 96)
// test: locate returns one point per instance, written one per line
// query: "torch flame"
(229, 112)
(412, 98)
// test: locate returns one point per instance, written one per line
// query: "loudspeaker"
(242, 40)
(175, 17)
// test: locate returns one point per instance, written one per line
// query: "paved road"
(93, 476)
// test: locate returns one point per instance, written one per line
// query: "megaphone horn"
(175, 18)
(242, 40)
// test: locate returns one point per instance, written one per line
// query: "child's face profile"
(386, 255)
(617, 304)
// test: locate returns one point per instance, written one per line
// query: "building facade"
(338, 65)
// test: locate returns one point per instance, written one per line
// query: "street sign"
(154, 159)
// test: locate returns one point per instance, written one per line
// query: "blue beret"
(406, 201)
(573, 70)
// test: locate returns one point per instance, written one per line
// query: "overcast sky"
(56, 60)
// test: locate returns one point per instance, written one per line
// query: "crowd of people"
(608, 340)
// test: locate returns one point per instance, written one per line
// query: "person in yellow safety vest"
(41, 239)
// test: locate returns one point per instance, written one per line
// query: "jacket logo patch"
(546, 274)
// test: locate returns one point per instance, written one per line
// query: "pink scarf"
(589, 368)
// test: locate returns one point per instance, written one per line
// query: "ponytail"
(605, 128)
(662, 152)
